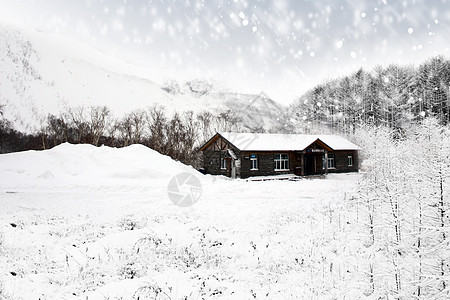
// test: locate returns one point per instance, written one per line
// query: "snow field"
(80, 222)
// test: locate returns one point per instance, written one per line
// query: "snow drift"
(83, 164)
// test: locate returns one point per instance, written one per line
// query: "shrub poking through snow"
(18, 224)
(130, 222)
(151, 291)
(2, 242)
(132, 269)
(149, 241)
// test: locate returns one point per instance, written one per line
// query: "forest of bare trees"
(401, 212)
(176, 135)
(394, 96)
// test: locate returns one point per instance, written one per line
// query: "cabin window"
(331, 163)
(281, 162)
(253, 162)
(350, 160)
(223, 161)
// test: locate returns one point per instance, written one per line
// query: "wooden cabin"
(243, 155)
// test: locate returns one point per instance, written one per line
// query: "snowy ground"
(79, 222)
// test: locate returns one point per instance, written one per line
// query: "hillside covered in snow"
(45, 73)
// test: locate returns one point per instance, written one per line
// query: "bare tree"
(156, 123)
(190, 137)
(138, 118)
(79, 119)
(57, 128)
(98, 122)
(126, 130)
(4, 124)
(90, 123)
(132, 127)
(205, 121)
(113, 133)
(176, 137)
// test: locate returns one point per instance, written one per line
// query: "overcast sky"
(280, 47)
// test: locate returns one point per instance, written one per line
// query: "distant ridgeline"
(393, 96)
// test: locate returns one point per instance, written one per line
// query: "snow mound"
(86, 165)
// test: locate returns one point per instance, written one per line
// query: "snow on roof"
(337, 142)
(284, 142)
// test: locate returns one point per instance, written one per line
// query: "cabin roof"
(283, 142)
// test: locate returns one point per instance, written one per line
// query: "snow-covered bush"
(131, 222)
(2, 242)
(132, 269)
(148, 241)
(152, 291)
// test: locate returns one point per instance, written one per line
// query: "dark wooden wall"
(266, 163)
(211, 157)
(341, 162)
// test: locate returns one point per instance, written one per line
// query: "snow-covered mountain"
(43, 73)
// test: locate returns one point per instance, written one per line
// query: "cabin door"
(313, 164)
